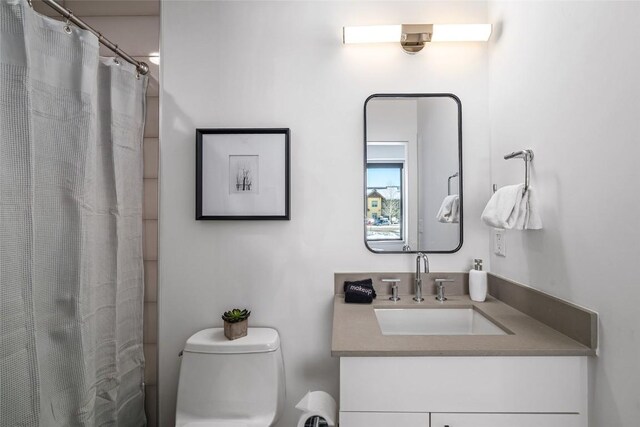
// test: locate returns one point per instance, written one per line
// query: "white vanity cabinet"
(518, 391)
(384, 419)
(399, 419)
(505, 420)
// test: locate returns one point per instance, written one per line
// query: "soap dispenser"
(477, 282)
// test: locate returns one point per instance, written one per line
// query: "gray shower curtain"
(71, 270)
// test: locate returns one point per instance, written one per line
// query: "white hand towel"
(510, 209)
(449, 210)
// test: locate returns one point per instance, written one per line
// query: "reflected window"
(385, 185)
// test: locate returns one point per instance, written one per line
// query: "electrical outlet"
(499, 242)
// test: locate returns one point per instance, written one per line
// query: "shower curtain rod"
(142, 67)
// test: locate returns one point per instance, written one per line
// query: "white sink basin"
(435, 321)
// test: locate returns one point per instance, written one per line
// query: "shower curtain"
(71, 270)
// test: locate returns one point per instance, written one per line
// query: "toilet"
(225, 383)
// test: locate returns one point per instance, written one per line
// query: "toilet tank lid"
(212, 340)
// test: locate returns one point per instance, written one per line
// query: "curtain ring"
(67, 26)
(115, 58)
(30, 4)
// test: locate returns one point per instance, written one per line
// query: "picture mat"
(216, 200)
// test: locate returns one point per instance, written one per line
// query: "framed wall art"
(242, 174)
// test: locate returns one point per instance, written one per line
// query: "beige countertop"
(356, 332)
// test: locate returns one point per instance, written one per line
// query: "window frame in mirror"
(401, 168)
(460, 171)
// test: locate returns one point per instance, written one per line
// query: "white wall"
(282, 64)
(565, 81)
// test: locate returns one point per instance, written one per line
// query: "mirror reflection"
(413, 190)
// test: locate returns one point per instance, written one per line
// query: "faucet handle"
(394, 288)
(440, 288)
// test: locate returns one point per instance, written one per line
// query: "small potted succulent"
(236, 322)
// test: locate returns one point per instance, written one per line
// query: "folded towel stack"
(359, 291)
(512, 208)
(449, 210)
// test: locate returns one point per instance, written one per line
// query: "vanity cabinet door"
(507, 420)
(383, 419)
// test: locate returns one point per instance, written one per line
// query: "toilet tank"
(239, 380)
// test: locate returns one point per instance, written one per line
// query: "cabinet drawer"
(383, 419)
(507, 420)
(464, 384)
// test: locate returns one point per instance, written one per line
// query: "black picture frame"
(206, 171)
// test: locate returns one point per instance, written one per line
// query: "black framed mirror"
(413, 198)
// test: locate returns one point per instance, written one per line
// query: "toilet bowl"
(237, 383)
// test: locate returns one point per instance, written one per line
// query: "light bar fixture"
(372, 34)
(413, 37)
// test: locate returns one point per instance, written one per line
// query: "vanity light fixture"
(412, 37)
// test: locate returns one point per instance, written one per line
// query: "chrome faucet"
(418, 297)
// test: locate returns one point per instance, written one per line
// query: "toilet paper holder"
(316, 421)
(319, 409)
